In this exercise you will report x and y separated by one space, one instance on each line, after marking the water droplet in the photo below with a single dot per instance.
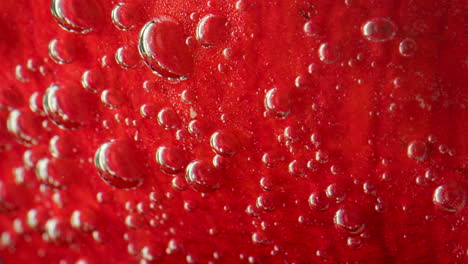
407 47
417 150
22 73
118 164
379 29
124 16
329 53
171 159
78 16
35 103
162 47
271 159
211 29
126 57
68 106
278 102
450 197
61 50
202 176
349 220
259 238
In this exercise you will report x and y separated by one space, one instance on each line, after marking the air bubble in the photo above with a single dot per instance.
211 29
78 16
119 165
349 220
450 197
417 150
379 29
162 47
126 57
224 143
61 51
329 53
68 106
24 126
124 16
202 176
278 102
407 47
171 159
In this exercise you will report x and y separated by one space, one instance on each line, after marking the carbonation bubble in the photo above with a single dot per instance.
417 150
278 102
63 146
126 57
224 143
171 159
162 47
310 29
61 51
78 16
112 99
148 111
25 126
450 197
379 29
68 106
54 172
318 200
202 176
211 29
407 47
35 103
93 80
124 16
22 73
349 220
328 53
168 118
119 164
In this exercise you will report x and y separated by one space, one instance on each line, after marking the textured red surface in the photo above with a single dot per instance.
362 124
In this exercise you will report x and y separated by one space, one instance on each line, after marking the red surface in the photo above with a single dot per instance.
344 133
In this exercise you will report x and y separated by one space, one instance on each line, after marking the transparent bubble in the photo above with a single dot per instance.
211 29
349 220
224 143
329 53
93 80
407 47
61 51
24 126
278 102
310 29
162 47
124 16
126 57
202 176
379 29
450 197
78 16
319 200
68 106
171 159
417 150
119 165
